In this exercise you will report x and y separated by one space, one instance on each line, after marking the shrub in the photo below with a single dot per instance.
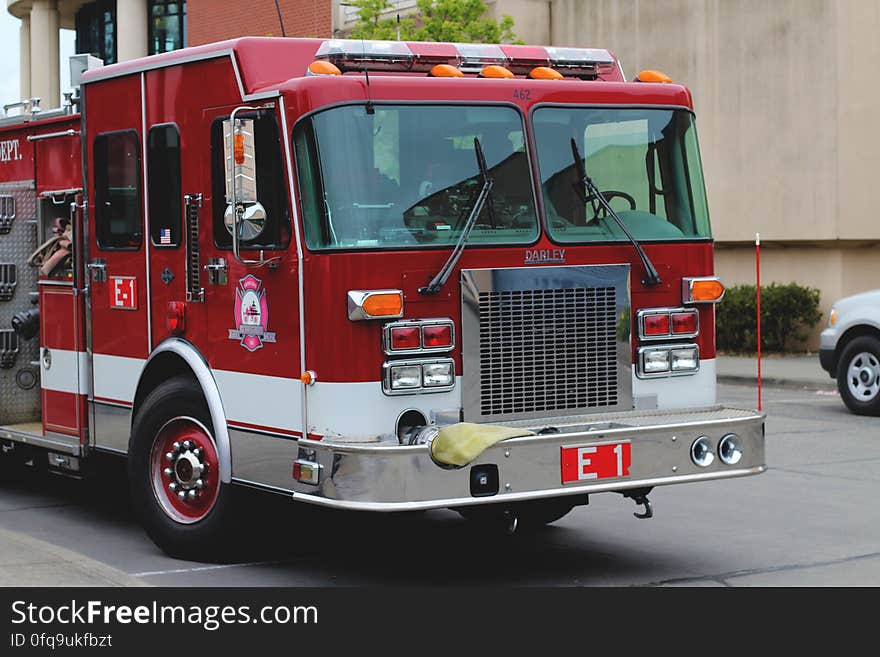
787 312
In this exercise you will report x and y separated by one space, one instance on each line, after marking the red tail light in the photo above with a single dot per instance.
437 336
656 324
175 318
405 338
685 322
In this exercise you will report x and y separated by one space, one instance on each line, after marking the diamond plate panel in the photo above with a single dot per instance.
16 404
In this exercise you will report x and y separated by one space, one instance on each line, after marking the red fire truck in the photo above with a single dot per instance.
367 275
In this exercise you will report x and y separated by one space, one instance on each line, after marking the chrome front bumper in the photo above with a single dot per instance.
405 478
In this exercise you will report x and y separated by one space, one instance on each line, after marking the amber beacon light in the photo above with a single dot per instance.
321 67
652 76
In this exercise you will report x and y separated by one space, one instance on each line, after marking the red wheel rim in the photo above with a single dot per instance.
185 470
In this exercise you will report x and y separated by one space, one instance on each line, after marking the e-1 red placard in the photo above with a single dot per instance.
123 292
607 461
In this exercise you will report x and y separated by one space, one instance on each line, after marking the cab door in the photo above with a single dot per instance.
118 308
247 321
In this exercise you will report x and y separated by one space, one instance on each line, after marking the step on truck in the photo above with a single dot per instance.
365 275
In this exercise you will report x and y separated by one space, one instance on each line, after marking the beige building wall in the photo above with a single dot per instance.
531 18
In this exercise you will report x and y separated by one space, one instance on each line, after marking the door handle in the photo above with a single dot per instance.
98 267
216 269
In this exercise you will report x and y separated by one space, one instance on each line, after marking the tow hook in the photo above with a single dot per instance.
640 497
511 522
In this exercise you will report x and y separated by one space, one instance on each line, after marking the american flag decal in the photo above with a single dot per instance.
164 236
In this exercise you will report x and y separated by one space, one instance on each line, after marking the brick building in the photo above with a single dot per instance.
215 20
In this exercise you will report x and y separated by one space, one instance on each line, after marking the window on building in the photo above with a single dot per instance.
163 175
167 26
118 217
96 30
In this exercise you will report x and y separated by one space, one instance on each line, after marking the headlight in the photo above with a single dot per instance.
655 361
685 360
702 453
406 377
730 449
667 360
438 374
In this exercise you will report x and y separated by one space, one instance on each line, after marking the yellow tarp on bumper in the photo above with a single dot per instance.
459 444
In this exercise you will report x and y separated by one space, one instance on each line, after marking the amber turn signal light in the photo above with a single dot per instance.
374 304
701 290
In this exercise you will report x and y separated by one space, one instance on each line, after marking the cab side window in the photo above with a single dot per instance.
163 173
262 179
118 215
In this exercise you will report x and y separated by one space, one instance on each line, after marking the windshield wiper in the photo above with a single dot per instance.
440 278
652 278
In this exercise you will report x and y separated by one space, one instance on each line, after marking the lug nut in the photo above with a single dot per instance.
168 472
192 495
200 483
197 452
187 445
172 486
181 495
169 456
175 446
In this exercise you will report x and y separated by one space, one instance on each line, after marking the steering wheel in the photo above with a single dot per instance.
599 209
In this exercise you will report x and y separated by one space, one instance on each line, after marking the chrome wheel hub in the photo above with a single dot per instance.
186 470
863 376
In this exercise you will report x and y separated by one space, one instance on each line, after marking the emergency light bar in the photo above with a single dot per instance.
421 57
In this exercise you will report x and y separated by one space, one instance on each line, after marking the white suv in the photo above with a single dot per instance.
849 350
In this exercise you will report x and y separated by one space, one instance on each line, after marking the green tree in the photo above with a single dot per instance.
437 20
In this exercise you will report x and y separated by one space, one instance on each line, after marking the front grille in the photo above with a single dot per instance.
545 341
548 350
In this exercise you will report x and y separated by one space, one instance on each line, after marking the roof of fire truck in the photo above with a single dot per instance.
264 64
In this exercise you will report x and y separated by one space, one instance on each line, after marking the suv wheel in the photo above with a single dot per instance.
858 375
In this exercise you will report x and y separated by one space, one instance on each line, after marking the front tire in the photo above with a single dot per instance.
174 475
858 375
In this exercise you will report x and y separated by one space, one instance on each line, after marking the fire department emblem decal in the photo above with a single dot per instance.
251 314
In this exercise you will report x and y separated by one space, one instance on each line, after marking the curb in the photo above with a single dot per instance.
776 382
28 561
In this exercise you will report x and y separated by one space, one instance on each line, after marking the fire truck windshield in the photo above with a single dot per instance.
407 176
646 163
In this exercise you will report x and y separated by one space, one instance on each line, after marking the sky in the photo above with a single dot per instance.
9 56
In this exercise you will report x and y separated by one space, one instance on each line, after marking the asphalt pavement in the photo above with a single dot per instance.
33 558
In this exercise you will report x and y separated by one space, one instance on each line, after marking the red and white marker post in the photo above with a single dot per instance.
758 298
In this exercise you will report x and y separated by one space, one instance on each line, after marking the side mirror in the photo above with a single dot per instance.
251 220
245 216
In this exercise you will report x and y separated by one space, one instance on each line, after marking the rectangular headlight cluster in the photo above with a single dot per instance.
401 377
668 360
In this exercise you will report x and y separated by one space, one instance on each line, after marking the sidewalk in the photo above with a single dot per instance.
26 561
789 371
